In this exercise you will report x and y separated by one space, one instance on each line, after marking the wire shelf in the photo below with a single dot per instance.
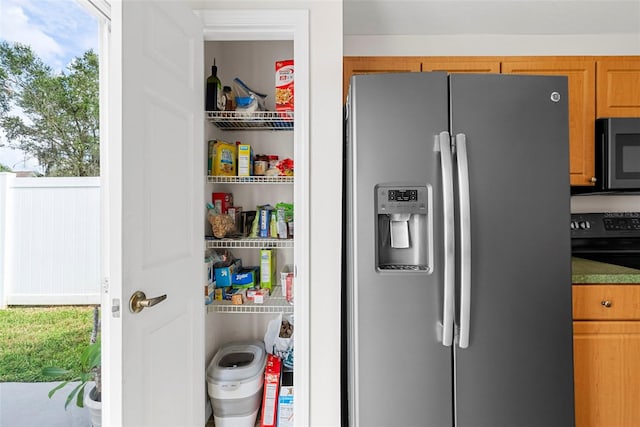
257 120
216 179
257 243
275 303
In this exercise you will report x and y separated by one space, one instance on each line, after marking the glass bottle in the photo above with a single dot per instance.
214 90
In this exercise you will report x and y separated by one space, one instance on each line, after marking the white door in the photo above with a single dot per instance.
154 360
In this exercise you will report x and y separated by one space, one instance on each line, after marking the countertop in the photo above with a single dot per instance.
587 271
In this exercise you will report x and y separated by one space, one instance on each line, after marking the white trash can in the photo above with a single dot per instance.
235 377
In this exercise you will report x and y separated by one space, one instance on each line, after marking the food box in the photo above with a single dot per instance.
284 85
267 268
222 201
285 399
286 282
246 277
224 274
245 160
270 391
224 158
257 295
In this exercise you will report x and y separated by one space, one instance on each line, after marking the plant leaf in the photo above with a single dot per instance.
73 394
53 371
56 388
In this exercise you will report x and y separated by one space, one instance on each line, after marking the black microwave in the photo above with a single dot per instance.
617 156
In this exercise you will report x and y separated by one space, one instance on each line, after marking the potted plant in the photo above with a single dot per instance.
89 370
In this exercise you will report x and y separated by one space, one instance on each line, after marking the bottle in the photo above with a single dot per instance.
214 90
229 102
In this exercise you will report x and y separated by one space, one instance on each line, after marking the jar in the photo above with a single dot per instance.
260 164
273 161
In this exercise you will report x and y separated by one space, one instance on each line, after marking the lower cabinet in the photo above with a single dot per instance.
606 340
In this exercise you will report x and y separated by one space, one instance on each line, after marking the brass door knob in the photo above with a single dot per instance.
139 301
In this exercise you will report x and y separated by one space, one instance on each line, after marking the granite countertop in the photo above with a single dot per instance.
587 271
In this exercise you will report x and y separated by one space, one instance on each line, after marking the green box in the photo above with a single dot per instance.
267 268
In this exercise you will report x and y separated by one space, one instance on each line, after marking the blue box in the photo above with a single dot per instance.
245 277
224 275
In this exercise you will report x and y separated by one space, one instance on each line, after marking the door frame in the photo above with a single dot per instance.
272 24
233 25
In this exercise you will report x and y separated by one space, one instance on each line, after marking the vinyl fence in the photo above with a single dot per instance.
49 240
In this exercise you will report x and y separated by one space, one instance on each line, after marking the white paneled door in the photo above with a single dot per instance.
154 359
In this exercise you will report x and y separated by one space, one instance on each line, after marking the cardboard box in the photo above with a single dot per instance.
284 86
245 160
246 277
222 201
267 268
224 158
224 274
285 399
270 391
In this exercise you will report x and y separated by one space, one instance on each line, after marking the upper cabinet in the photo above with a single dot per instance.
618 87
354 65
599 86
461 64
581 74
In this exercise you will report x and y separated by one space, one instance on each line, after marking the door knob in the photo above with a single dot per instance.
139 301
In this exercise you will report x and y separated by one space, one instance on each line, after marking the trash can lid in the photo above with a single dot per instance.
236 361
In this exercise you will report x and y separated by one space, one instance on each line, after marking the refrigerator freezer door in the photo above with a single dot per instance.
399 373
518 368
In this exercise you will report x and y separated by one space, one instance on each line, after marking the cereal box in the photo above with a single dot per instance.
284 85
224 158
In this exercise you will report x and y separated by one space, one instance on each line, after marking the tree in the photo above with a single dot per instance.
52 116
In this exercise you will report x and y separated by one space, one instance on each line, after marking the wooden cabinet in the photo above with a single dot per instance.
606 336
353 65
581 74
599 86
461 64
618 87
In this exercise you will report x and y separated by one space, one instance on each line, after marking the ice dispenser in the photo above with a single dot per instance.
402 233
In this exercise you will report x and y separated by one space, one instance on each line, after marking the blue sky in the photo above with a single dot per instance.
57 31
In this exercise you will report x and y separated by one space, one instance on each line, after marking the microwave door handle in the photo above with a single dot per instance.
464 204
448 310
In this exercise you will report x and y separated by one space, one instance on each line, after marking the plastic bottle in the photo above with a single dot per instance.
214 90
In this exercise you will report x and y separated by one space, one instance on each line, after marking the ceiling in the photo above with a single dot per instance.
521 17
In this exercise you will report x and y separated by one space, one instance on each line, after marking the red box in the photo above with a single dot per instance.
270 392
284 85
222 201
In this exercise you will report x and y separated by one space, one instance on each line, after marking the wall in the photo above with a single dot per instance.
482 27
50 244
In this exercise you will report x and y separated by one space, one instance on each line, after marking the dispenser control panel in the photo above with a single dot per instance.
400 199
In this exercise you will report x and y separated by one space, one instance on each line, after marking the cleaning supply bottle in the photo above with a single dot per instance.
214 90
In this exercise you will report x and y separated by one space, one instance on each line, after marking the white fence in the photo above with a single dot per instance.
49 240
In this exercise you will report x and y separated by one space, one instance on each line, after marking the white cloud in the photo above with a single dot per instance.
15 26
57 30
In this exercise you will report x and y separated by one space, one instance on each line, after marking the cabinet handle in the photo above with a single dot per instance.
593 179
606 303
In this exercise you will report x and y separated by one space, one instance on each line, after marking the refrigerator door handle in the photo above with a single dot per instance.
464 203
448 307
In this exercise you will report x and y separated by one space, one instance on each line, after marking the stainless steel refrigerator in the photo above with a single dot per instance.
457 264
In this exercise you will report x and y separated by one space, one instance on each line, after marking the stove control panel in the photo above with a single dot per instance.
608 224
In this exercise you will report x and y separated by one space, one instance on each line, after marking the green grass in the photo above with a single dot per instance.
32 338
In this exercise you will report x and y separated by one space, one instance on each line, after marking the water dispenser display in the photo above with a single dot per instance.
402 232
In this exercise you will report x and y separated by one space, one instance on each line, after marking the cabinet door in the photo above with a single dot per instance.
462 64
607 372
618 87
353 65
581 75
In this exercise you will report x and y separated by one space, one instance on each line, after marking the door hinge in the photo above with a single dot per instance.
105 285
115 308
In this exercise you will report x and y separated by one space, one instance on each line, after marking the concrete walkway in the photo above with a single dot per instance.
27 405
